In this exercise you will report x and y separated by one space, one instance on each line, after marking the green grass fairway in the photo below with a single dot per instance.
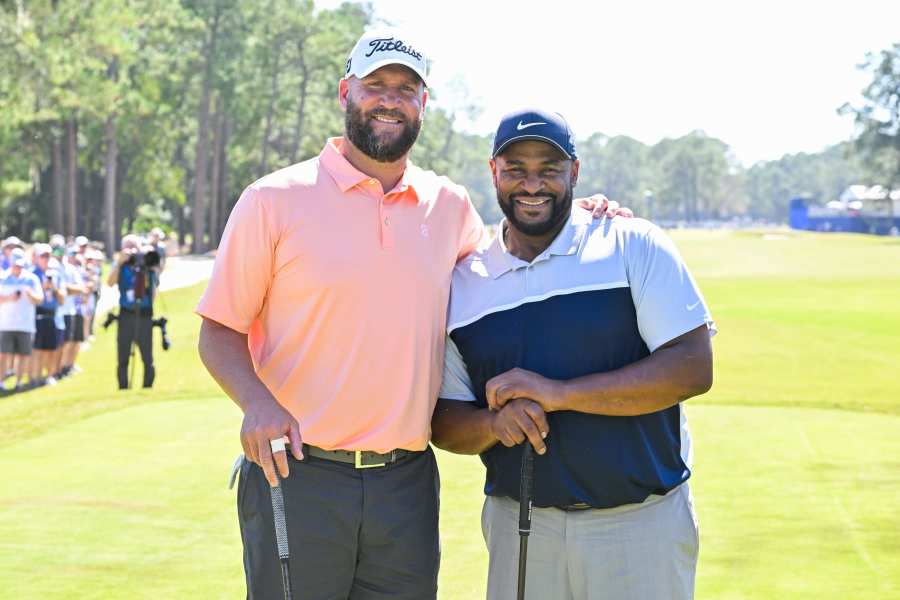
797 448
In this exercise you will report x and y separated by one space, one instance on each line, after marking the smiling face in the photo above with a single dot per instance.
384 111
534 183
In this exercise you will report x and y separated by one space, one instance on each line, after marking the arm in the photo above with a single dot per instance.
34 293
72 288
59 291
113 279
226 356
463 428
676 371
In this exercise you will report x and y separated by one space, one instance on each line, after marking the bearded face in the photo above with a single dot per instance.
383 134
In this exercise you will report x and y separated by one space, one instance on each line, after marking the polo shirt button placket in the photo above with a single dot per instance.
387 233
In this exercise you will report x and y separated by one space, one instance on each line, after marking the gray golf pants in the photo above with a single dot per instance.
642 551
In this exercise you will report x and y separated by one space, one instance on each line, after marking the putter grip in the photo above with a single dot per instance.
526 487
280 524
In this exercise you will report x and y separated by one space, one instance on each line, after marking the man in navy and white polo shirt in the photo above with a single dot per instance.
581 337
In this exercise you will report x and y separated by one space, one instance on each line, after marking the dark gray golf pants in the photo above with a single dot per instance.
354 534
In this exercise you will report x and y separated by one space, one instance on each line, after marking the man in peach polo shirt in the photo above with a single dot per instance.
324 317
324 321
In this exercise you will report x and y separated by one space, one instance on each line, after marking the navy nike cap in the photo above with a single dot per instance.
535 124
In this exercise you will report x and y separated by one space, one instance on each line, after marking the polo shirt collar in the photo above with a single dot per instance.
499 261
347 177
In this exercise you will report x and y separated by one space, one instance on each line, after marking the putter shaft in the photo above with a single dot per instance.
526 488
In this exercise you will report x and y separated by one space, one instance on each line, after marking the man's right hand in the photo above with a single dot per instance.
264 421
125 255
520 419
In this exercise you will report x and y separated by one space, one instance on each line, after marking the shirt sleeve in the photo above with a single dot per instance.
456 384
666 297
243 269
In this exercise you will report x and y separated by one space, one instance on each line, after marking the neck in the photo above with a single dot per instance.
528 247
388 173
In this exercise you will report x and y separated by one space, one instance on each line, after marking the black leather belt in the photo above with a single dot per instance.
361 459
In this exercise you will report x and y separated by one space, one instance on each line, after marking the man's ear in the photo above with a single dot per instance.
343 91
576 165
492 163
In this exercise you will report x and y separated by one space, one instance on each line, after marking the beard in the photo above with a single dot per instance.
562 207
358 128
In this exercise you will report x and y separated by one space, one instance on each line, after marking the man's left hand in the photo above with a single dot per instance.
519 383
600 205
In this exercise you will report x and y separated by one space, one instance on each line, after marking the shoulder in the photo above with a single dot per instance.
285 183
631 235
472 290
473 270
437 186
634 228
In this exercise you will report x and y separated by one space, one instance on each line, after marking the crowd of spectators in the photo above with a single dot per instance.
48 299
49 293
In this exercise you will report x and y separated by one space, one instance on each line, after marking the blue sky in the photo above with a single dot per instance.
766 77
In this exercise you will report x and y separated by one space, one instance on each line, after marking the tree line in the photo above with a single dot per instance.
120 115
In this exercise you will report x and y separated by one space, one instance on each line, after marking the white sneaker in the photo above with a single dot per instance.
51 380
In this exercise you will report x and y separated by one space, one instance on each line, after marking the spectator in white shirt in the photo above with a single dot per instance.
20 291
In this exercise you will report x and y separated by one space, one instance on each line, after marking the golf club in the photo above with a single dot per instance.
526 485
281 538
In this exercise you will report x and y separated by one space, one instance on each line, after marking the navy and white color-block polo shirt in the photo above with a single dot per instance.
604 294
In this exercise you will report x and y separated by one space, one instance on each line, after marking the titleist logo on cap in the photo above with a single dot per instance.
392 45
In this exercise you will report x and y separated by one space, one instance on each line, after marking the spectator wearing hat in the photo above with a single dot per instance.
92 260
46 338
8 245
59 318
20 291
82 243
76 291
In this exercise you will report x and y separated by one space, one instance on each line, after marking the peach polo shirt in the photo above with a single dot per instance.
343 292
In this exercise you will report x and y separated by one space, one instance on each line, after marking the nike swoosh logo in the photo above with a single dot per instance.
692 306
522 125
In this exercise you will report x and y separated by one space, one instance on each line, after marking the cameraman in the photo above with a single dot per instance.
137 289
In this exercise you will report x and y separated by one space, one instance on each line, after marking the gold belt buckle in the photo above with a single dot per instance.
357 461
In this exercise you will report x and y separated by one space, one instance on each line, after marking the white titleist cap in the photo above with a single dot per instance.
380 47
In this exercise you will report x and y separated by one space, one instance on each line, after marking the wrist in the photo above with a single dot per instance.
559 395
490 417
257 399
